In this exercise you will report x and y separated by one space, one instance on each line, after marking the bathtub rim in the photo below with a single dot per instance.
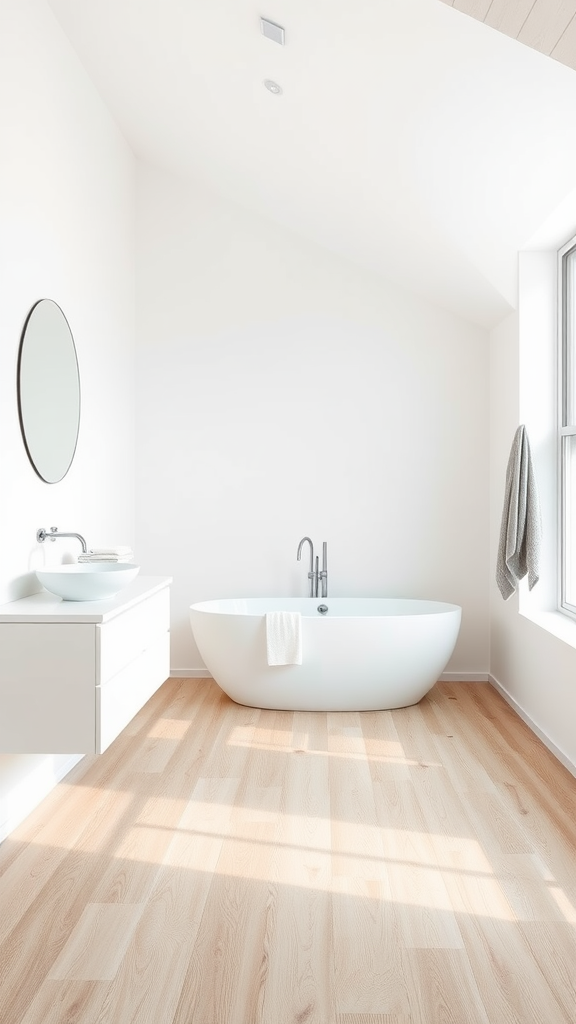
386 607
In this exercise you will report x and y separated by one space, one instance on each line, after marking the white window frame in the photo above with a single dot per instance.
566 429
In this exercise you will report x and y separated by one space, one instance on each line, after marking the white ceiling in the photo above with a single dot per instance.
410 138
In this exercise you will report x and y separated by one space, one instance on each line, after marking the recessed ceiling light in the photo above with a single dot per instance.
272 86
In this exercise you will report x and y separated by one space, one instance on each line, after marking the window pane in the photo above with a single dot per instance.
570 337
569 530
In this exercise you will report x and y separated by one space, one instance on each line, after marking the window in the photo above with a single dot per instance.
567 404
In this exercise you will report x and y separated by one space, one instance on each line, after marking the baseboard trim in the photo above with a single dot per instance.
32 790
464 677
559 754
190 673
446 677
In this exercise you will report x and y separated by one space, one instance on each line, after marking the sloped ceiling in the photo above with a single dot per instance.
410 138
548 26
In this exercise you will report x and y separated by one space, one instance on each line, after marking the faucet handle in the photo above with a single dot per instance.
42 534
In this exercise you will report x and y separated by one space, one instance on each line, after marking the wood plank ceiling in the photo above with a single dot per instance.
546 25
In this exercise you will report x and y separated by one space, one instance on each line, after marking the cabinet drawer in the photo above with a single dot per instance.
46 655
120 698
128 635
48 719
47 688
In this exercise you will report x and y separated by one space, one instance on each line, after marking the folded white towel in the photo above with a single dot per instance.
123 549
284 638
521 528
93 556
102 560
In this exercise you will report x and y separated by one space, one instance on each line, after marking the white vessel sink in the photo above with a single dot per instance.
89 581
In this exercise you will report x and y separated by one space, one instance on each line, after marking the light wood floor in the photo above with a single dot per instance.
224 865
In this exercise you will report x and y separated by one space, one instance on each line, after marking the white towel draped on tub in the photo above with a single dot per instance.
284 638
520 533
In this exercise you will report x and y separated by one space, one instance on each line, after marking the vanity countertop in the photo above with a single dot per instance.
45 607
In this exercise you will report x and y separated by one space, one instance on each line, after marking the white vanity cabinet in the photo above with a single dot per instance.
73 674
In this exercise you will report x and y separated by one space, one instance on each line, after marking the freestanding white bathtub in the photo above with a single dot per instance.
362 654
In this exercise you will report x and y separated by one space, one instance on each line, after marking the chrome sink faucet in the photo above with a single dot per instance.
315 574
42 535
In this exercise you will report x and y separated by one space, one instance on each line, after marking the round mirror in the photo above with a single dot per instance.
48 391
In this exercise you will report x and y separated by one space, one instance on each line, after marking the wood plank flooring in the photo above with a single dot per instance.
226 865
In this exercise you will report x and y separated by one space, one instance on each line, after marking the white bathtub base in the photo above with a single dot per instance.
366 654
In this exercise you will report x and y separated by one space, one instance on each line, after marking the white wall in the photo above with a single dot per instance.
535 669
67 233
282 391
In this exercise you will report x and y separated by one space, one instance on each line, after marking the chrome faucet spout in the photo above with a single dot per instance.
299 554
42 535
312 574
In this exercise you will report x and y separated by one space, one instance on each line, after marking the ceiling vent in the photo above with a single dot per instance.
272 31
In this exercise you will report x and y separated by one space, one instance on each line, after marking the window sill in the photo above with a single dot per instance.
556 623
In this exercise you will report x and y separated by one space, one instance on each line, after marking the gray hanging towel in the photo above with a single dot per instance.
521 530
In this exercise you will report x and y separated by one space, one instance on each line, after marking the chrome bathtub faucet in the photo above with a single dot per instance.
315 574
323 576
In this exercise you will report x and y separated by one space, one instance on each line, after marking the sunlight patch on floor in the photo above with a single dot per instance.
346 755
401 861
96 836
564 905
169 729
437 873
